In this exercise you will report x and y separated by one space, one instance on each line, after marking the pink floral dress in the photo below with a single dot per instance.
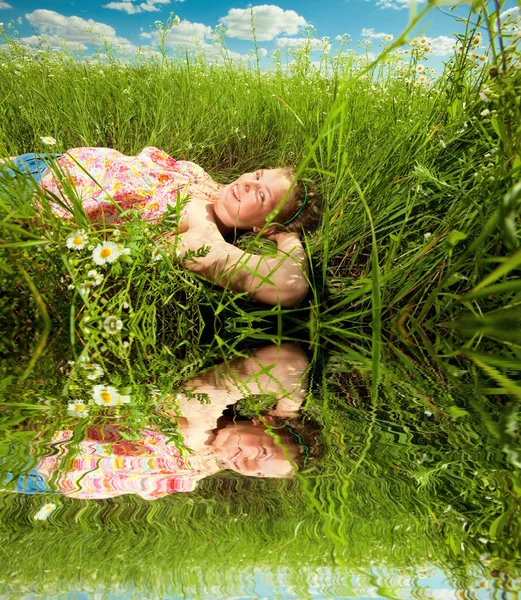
147 182
151 467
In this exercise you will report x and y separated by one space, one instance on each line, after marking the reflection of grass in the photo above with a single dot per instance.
428 488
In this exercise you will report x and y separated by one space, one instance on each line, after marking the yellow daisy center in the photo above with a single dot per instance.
105 397
79 407
105 253
77 241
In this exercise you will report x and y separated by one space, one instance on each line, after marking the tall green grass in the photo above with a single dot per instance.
418 181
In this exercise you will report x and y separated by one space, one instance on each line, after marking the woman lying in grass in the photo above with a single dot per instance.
108 182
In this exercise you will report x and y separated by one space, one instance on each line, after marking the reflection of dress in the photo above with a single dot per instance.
150 467
147 182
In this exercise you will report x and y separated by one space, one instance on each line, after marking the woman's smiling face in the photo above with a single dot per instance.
247 448
245 203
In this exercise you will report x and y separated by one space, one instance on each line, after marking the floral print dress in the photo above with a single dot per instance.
102 177
151 467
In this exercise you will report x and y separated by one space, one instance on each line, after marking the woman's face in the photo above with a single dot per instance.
245 203
245 447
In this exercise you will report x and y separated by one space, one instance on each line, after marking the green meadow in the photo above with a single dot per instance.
412 322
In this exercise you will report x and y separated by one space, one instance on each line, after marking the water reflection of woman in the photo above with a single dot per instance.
106 464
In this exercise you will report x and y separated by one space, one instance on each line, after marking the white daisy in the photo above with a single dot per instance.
48 140
106 395
104 253
112 325
45 511
156 254
78 408
77 240
95 276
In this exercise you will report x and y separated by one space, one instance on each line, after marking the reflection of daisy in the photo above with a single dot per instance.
77 241
105 253
112 325
106 395
78 408
48 140
45 511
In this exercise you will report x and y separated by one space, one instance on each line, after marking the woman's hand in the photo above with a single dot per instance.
274 280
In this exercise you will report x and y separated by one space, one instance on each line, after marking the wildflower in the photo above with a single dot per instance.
156 254
427 235
433 71
423 40
112 325
422 79
86 286
77 241
389 37
443 144
45 511
415 41
484 94
124 251
485 112
78 408
106 395
116 233
105 253
48 140
483 540
420 68
96 277
96 372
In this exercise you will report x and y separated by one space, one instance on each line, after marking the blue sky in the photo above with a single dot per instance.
279 25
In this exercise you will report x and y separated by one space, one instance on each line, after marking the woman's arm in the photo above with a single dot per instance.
273 280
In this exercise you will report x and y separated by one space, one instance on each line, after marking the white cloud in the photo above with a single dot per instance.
371 34
127 7
397 4
74 29
20 20
284 42
53 41
269 20
4 4
510 19
184 34
132 9
263 52
441 45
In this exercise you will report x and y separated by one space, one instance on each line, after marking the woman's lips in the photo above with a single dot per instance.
235 192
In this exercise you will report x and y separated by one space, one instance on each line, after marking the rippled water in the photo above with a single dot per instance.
268 475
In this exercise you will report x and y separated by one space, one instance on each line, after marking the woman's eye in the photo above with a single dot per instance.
257 176
262 196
